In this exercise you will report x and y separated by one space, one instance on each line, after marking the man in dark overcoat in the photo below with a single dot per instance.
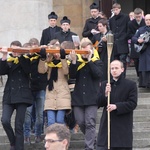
119 25
90 27
123 100
17 94
48 34
65 34
144 56
133 26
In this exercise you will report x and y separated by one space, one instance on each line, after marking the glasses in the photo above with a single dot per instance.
51 141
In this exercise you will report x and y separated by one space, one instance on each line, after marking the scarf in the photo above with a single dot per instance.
85 61
54 73
15 60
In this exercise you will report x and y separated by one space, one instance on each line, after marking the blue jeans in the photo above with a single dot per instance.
39 99
55 116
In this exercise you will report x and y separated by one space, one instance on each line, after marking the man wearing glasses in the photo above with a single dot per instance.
57 137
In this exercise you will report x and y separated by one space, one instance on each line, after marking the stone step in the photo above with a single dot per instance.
143 143
78 144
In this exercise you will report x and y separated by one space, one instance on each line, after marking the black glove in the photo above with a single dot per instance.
43 53
62 54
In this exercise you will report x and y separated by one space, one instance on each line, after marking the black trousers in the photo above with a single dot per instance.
114 148
15 136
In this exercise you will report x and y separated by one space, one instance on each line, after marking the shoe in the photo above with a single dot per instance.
12 148
27 140
38 139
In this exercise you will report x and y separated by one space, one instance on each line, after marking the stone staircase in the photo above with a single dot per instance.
141 128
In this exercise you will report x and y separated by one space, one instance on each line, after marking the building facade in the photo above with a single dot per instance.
25 19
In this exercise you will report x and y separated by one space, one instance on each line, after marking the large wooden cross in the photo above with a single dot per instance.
48 50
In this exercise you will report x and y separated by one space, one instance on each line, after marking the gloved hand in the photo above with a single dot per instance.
43 53
62 54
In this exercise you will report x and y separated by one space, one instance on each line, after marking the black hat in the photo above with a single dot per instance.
52 15
65 20
94 6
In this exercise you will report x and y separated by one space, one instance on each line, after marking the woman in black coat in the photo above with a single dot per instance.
100 42
123 100
17 95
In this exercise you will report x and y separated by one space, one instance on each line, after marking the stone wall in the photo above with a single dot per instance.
23 19
76 10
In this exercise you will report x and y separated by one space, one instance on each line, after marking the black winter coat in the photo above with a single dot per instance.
17 88
119 26
144 57
132 28
87 83
38 80
64 36
90 24
124 95
102 51
48 34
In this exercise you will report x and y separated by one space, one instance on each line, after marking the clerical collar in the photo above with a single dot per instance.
96 17
52 27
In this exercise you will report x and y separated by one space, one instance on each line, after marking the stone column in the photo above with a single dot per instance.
23 19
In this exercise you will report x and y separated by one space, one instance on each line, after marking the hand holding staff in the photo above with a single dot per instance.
109 51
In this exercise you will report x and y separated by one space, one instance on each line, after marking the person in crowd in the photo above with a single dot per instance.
17 94
87 70
57 137
131 15
100 42
102 15
58 99
54 43
38 88
144 55
118 25
69 118
48 34
133 26
65 34
123 101
90 27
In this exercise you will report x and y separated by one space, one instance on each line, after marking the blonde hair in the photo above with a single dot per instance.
85 42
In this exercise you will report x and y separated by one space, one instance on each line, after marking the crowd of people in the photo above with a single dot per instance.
44 88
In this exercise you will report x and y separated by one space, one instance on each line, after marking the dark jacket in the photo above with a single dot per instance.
144 57
17 88
90 24
38 80
64 36
132 28
87 83
102 51
119 26
124 95
48 34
